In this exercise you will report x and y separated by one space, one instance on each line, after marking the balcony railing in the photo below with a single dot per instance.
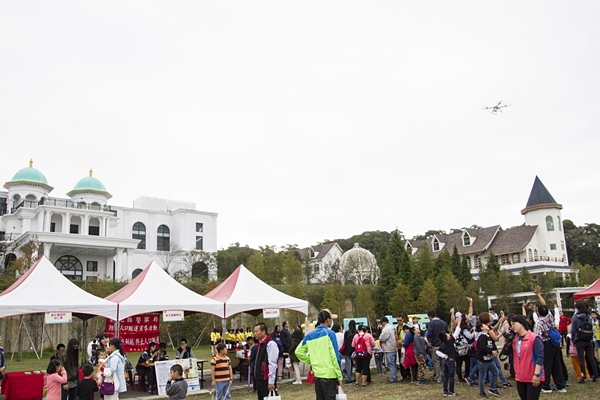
63 203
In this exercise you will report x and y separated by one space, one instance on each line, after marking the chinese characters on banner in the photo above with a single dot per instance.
136 332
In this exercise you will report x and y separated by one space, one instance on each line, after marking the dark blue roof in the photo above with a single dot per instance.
539 194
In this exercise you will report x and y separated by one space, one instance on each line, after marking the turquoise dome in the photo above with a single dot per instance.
29 174
90 183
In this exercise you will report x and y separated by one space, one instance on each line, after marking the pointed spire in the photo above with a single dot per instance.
31 163
540 197
91 172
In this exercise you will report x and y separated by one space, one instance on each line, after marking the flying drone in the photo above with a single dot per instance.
498 107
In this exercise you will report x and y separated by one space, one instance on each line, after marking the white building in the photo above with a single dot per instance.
538 245
87 238
323 261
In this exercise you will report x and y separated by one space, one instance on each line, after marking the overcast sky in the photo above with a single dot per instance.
299 121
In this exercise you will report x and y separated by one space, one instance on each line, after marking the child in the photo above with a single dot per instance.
486 351
221 373
88 386
420 348
176 386
447 353
55 378
162 352
572 352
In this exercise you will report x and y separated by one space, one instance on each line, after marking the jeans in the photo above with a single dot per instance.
449 368
325 389
484 367
348 368
223 390
474 368
379 362
499 368
390 360
587 349
437 364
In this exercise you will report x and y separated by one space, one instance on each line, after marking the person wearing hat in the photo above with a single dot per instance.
528 354
319 349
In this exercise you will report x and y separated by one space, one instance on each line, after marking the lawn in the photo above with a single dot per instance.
378 390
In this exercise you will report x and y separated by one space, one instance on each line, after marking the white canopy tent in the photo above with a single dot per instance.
242 291
44 289
153 290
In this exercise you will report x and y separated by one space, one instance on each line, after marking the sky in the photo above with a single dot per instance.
299 122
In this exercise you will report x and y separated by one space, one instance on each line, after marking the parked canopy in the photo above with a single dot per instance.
44 289
592 291
242 291
153 290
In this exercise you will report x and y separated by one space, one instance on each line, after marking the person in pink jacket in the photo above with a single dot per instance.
56 376
363 344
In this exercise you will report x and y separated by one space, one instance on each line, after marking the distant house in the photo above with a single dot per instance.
538 246
322 260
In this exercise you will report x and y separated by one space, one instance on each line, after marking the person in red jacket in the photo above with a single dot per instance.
528 355
563 324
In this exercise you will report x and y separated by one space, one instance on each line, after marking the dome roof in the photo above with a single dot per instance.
89 184
359 265
29 175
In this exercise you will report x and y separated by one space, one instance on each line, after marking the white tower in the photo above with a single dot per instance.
542 210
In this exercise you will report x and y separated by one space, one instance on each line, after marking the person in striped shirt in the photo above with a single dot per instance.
221 373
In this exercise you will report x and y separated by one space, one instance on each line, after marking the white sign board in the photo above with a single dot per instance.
190 374
172 315
271 313
58 318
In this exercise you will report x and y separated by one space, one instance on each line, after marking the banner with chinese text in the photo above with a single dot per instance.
136 332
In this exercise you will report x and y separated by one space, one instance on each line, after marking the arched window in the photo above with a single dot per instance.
549 223
135 273
70 266
529 255
466 239
163 238
436 244
139 232
559 223
200 270
535 255
9 258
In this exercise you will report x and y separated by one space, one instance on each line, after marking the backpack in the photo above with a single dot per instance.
462 346
555 336
360 351
585 331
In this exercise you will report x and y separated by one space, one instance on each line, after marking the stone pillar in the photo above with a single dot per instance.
47 219
103 226
119 264
85 223
129 253
66 222
107 231
40 221
47 247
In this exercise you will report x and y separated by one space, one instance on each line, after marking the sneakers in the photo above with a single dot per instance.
445 394
506 385
494 392
563 390
567 383
546 391
471 382
297 382
483 395
452 394
581 380
391 381
421 383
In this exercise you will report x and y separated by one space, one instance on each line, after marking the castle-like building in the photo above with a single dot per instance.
537 246
87 238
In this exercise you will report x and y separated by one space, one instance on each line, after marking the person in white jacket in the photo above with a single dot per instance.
114 368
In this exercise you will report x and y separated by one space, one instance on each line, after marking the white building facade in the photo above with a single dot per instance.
87 238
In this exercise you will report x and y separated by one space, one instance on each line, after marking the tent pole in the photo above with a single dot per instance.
83 342
117 322
42 341
18 341
31 340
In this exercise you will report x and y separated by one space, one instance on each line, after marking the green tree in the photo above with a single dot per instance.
428 297
273 265
546 282
292 268
583 243
256 265
442 261
365 307
335 300
505 288
451 294
455 262
389 273
525 282
401 300
464 275
489 274
231 258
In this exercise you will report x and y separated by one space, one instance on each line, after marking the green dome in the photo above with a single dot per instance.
29 174
90 183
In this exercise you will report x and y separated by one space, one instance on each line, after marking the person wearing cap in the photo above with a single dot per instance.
319 349
528 353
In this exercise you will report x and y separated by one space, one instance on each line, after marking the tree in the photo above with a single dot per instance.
427 298
525 282
504 290
273 265
451 294
429 234
464 275
256 265
335 300
168 257
16 268
401 300
583 243
365 307
199 263
389 270
231 258
455 262
489 274
442 261
292 268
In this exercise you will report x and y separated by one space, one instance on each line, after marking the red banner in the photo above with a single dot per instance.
136 332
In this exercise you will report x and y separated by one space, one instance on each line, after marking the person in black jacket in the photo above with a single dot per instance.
447 353
486 351
347 350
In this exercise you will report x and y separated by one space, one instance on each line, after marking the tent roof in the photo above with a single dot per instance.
242 291
154 290
44 289
591 291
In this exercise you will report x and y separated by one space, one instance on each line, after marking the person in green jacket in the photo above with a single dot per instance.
319 349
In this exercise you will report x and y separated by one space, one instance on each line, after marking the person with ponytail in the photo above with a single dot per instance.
114 368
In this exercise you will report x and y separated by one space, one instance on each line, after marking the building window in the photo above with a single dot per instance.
52 226
535 255
559 223
477 262
466 239
70 267
139 232
74 228
436 244
92 266
199 227
94 231
516 258
549 223
199 243
562 245
468 261
529 255
552 246
135 273
316 269
505 259
534 278
312 253
163 238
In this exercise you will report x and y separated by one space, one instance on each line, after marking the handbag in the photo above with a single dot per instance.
310 378
273 395
340 394
107 388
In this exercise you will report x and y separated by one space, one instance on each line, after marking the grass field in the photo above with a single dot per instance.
378 390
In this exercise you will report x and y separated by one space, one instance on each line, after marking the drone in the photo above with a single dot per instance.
498 107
